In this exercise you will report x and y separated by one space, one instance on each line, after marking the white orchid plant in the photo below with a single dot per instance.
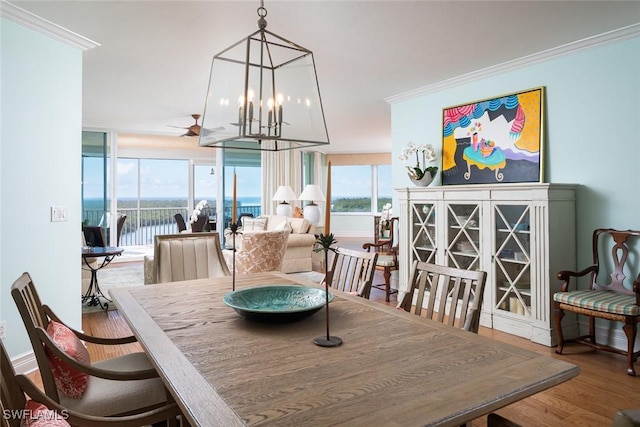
197 211
385 217
424 152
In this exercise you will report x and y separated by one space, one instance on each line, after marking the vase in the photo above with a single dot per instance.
424 181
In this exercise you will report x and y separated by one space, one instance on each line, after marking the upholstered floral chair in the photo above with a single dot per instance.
258 251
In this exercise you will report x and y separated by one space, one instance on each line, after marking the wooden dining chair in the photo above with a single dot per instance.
387 257
352 271
123 385
610 294
446 294
19 393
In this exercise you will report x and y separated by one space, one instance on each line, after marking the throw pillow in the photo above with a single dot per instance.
253 224
299 225
277 222
38 415
69 381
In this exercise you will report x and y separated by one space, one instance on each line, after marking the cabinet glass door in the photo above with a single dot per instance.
423 232
463 236
512 260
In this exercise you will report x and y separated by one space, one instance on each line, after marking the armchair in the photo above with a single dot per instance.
607 296
184 256
15 389
387 260
258 251
123 385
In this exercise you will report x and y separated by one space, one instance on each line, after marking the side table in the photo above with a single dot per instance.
93 294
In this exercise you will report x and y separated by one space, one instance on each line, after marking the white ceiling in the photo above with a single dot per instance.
152 67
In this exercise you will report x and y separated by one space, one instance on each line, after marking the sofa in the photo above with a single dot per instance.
300 243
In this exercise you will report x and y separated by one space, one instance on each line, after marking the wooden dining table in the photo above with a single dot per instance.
393 368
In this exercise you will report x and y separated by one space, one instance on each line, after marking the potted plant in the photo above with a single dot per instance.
385 221
420 174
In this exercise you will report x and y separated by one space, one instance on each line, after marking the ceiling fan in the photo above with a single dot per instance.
193 130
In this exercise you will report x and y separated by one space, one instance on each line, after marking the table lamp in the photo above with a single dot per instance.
312 193
283 195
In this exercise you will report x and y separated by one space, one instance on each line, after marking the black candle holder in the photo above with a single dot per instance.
324 244
234 231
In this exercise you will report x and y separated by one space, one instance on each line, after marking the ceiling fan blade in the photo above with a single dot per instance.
193 130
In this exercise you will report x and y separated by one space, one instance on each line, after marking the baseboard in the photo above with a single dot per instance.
611 335
25 363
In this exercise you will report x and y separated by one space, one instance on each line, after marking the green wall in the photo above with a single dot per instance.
41 115
592 119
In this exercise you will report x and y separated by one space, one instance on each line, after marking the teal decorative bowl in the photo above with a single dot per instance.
277 303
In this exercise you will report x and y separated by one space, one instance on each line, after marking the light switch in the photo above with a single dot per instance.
59 213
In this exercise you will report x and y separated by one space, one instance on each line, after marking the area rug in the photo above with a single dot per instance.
120 275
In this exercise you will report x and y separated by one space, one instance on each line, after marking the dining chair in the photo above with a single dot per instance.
123 385
185 256
182 226
387 256
352 271
19 393
446 294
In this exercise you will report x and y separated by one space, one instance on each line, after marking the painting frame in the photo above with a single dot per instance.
495 140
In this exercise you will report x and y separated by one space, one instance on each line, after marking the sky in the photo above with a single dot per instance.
169 179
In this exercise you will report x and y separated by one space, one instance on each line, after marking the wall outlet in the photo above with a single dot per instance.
3 329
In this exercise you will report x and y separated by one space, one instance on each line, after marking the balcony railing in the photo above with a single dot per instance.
143 224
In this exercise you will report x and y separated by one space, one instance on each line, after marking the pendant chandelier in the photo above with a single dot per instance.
263 95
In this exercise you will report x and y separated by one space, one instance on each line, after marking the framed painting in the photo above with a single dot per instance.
493 141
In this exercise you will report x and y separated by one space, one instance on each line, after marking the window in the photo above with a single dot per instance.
204 184
385 190
150 192
247 166
94 177
352 188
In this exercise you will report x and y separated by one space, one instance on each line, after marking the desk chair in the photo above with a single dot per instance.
123 385
452 295
352 271
14 387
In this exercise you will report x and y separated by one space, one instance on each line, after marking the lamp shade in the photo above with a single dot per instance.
284 194
312 193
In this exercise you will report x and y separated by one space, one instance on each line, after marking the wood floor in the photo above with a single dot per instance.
590 399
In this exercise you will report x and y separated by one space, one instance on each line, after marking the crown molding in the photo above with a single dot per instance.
41 25
620 34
